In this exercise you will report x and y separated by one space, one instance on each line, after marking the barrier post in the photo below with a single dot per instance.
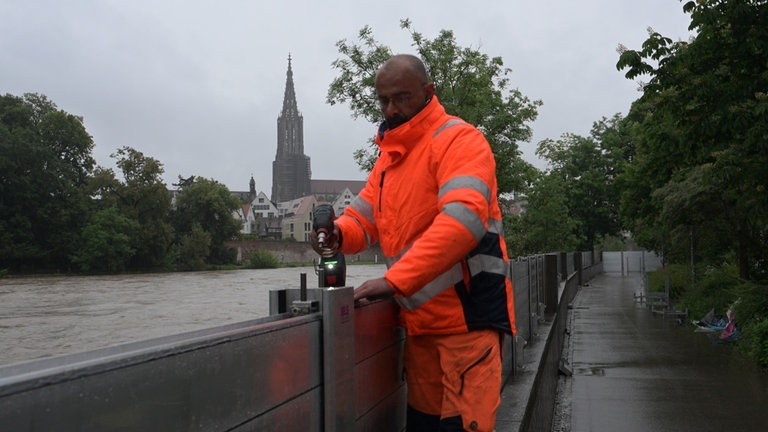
338 359
551 282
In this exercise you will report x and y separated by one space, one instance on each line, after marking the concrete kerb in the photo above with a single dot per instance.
518 392
528 398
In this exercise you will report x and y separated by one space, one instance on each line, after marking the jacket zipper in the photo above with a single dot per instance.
381 187
477 362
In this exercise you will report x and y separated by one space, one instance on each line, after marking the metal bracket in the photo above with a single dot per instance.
304 307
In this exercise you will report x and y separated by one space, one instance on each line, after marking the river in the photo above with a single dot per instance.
47 316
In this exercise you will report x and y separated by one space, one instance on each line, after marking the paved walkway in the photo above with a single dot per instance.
636 371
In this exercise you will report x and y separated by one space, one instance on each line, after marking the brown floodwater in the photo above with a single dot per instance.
47 316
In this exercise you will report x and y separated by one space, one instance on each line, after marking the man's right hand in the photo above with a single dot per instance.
330 246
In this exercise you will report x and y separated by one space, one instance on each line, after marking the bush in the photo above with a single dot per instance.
261 259
193 249
752 319
719 287
755 341
716 287
679 280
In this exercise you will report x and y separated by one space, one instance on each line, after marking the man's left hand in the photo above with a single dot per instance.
374 289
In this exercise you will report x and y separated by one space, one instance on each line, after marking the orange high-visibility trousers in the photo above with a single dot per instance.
454 379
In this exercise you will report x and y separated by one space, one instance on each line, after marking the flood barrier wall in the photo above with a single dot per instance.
319 363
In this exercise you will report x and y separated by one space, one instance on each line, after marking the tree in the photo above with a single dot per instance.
545 226
144 198
469 84
704 110
687 202
45 161
207 204
194 248
108 242
584 172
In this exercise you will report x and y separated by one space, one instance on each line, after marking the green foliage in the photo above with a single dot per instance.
753 301
208 204
754 339
719 287
714 288
469 84
700 129
194 248
679 277
107 244
586 168
144 197
45 160
261 259
59 213
514 236
752 318
613 243
545 225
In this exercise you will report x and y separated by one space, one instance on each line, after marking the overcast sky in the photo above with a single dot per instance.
198 85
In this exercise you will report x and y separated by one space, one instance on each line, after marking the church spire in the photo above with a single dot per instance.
290 108
291 171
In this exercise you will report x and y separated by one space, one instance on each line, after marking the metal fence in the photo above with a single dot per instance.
626 262
338 367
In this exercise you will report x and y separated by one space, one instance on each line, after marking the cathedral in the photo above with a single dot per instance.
291 170
288 212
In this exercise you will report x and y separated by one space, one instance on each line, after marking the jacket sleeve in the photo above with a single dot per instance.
357 225
465 170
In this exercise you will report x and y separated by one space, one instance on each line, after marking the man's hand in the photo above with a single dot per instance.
374 289
331 246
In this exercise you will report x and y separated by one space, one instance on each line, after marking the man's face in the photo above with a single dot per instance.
401 96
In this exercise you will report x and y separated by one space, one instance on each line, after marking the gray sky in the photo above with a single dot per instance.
198 85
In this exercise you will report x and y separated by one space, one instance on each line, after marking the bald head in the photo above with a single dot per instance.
405 64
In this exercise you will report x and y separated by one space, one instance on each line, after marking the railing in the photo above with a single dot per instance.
338 368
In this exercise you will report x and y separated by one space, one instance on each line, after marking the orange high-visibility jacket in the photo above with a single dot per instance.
430 201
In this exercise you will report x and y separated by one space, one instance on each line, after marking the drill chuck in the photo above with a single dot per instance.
322 223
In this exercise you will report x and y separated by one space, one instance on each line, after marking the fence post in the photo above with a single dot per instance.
563 266
339 407
551 282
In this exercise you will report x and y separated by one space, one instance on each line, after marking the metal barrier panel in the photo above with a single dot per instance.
552 282
521 284
541 283
247 376
630 262
380 394
533 296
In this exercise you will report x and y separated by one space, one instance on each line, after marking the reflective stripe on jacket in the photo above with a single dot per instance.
431 203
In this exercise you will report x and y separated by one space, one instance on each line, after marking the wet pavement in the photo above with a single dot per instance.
634 370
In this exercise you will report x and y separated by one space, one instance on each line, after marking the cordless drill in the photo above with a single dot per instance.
331 271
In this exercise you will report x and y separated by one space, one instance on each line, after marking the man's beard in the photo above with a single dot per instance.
396 120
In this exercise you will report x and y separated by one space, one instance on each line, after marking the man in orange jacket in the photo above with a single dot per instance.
431 203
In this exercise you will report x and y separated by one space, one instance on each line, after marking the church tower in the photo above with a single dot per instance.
291 171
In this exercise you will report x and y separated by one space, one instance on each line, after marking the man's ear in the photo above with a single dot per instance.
429 89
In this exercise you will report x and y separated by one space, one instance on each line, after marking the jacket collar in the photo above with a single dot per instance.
403 138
